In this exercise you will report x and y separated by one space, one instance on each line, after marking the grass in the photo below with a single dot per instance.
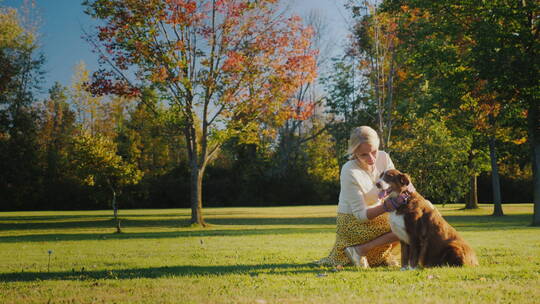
248 255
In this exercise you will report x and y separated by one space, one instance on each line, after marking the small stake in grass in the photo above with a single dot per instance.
118 229
49 265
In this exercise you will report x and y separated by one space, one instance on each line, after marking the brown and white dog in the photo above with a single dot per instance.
426 238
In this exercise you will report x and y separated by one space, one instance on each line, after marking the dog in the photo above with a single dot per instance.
427 240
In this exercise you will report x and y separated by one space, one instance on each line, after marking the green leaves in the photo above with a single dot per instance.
96 163
436 159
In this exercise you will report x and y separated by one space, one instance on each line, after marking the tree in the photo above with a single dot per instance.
145 138
306 105
96 114
434 158
322 165
20 77
56 128
375 44
96 164
347 101
442 46
225 66
21 63
507 56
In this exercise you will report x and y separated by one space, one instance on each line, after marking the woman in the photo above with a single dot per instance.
363 231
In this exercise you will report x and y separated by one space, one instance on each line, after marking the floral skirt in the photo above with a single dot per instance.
352 232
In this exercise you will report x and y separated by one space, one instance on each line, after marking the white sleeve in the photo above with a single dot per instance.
353 195
389 163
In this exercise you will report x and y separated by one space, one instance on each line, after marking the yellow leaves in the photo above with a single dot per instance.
12 33
401 74
461 69
234 62
89 180
425 86
96 161
160 75
323 164
468 103
179 45
464 107
268 133
186 82
520 141
263 56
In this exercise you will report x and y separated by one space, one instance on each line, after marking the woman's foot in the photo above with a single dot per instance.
357 256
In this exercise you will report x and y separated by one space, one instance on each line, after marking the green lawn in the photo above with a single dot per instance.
248 255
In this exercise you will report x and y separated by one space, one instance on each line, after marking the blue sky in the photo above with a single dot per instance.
62 22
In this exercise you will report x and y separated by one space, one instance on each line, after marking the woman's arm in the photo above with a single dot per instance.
352 194
373 212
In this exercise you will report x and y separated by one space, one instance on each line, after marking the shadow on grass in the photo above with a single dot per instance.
66 217
157 235
461 222
159 272
488 222
179 222
470 221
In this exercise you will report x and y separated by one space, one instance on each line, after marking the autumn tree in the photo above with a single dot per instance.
439 55
226 66
322 164
95 161
95 114
145 138
374 43
444 42
507 58
56 128
306 105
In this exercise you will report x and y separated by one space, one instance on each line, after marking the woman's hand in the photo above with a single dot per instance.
387 205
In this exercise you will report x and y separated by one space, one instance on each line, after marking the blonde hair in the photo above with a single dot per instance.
360 135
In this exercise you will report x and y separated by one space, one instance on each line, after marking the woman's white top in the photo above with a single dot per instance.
358 191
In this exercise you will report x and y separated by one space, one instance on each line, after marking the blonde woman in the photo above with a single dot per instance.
363 232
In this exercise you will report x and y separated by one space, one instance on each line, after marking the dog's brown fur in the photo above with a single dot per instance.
432 241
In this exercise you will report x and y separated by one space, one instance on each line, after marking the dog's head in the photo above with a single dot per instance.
392 183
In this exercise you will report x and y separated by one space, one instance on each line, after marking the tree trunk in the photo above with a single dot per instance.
196 196
115 208
114 205
495 181
113 200
534 139
472 203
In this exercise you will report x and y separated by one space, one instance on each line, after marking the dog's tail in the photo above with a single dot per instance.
458 253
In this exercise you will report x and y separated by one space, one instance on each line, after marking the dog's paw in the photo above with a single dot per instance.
363 262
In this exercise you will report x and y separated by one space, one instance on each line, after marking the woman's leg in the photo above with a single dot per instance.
387 238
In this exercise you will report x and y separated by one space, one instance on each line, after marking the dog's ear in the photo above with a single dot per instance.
404 179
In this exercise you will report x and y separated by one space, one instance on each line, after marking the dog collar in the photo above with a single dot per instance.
403 198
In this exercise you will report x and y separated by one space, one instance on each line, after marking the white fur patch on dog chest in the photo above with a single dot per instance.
397 223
